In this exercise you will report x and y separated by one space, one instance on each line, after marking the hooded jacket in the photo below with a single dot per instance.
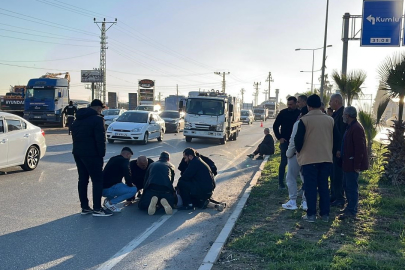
199 173
183 165
88 134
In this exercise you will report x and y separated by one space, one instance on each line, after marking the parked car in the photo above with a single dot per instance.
21 143
111 115
174 120
246 116
135 126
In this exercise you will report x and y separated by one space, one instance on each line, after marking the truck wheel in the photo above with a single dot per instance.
31 159
145 138
62 122
188 139
222 140
110 141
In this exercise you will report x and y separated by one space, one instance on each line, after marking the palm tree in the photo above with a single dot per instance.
392 75
350 84
369 125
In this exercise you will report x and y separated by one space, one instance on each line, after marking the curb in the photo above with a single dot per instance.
216 248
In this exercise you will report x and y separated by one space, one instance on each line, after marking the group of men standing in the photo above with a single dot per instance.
154 179
317 146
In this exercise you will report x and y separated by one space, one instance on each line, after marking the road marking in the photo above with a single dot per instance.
72 169
60 144
51 264
134 243
149 149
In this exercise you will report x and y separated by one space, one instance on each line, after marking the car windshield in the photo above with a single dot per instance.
111 112
42 94
259 111
145 108
133 117
245 113
205 107
170 115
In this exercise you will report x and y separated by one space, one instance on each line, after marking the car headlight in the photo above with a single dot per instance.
220 127
136 130
110 128
187 125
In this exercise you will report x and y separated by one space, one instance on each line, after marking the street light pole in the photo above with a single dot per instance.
312 80
324 51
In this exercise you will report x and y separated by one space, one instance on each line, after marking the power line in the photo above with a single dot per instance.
47 42
11 65
68 38
50 60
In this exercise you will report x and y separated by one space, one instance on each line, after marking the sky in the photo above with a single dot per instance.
182 43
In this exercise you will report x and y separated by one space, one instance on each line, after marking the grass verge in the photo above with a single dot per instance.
269 237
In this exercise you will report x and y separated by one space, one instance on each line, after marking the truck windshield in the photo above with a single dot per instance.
259 111
42 94
133 117
245 113
205 107
111 112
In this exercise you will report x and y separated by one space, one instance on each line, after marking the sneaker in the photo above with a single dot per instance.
290 205
166 205
220 207
304 206
309 218
325 218
300 192
102 213
112 207
86 211
260 158
152 206
251 155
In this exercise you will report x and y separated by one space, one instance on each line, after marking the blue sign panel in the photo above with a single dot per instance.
381 25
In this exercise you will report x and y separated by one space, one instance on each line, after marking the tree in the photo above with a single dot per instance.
392 76
369 125
350 84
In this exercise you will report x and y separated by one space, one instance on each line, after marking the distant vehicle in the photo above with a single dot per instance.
270 105
172 102
247 106
135 126
111 115
260 113
174 120
246 116
13 102
149 108
21 143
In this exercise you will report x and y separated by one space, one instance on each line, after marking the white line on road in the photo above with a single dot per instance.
72 169
149 149
134 244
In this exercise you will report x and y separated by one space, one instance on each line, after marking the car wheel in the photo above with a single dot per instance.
110 141
31 159
145 138
188 139
160 138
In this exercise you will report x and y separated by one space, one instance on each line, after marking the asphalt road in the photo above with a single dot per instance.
41 228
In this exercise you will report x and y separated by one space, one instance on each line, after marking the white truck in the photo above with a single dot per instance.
212 115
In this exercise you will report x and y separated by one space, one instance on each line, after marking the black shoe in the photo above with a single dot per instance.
251 155
281 188
325 218
260 158
86 211
347 215
205 204
102 213
337 204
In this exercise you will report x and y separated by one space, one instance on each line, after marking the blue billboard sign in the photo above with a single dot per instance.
381 24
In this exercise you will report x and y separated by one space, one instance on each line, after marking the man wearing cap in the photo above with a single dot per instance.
113 189
89 146
158 189
314 143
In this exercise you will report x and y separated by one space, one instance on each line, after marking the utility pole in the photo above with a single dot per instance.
324 50
177 95
256 94
242 92
103 54
223 79
269 79
160 96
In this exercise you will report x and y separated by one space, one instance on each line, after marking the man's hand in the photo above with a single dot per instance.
282 140
338 154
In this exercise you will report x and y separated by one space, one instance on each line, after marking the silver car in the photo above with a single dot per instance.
246 116
111 115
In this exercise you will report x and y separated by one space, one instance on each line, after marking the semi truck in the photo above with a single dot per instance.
13 102
213 115
45 99
270 105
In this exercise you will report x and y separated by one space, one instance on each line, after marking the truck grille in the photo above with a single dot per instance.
202 127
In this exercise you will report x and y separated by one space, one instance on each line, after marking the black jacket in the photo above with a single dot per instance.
137 174
183 165
160 175
116 168
286 120
70 110
88 134
269 142
339 129
199 173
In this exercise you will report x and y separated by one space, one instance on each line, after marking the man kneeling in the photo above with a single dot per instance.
113 189
158 189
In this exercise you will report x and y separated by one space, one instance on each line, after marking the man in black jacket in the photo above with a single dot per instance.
70 112
158 189
197 183
113 189
285 119
138 168
336 178
183 164
89 146
266 147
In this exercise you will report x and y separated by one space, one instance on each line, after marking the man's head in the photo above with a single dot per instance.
126 152
142 162
189 154
302 101
164 156
313 102
266 131
71 103
336 101
349 114
291 103
97 105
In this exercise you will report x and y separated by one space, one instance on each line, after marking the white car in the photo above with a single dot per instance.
111 115
21 143
136 126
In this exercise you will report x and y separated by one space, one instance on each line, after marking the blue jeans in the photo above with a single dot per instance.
351 180
283 163
119 192
316 181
